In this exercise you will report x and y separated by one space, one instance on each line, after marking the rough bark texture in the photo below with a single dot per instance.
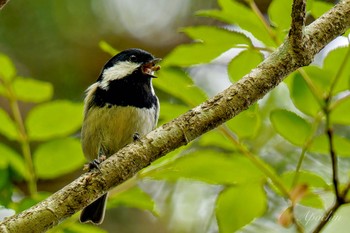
210 114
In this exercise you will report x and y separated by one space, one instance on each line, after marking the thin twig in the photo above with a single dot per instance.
296 34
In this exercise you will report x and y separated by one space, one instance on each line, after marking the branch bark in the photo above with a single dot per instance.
3 3
210 114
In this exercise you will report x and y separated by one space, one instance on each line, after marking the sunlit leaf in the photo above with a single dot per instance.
209 43
169 111
341 113
246 124
216 139
302 96
304 177
318 8
238 205
320 144
279 8
58 157
234 12
211 167
32 90
7 126
337 63
312 200
243 63
177 83
7 68
290 126
133 197
54 119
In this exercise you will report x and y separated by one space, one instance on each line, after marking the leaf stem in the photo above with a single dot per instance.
23 140
258 163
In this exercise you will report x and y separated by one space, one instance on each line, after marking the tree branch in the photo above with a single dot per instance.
210 114
3 3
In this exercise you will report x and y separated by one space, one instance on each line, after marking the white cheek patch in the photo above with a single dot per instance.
118 71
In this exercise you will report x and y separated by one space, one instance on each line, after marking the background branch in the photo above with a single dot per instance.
210 114
3 3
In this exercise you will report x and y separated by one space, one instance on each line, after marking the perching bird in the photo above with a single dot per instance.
119 107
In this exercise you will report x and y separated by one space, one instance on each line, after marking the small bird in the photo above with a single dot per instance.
120 107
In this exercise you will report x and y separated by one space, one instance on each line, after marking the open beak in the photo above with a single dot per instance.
150 67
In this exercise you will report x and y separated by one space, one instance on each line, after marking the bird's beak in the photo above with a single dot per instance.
150 67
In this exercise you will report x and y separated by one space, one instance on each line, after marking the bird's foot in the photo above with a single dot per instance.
136 136
94 163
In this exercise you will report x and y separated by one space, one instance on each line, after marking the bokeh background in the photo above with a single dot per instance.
59 41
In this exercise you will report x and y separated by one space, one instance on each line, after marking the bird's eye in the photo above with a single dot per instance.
132 58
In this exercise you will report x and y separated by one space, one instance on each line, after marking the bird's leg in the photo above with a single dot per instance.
136 136
95 163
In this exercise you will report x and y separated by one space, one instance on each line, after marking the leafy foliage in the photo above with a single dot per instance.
242 157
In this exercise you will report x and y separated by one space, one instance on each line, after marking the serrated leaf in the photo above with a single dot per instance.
290 126
237 206
302 97
7 68
54 119
211 167
7 126
32 90
133 197
320 144
58 157
337 64
177 83
12 159
243 63
246 124
210 43
234 12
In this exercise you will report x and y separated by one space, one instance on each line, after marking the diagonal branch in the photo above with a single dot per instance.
3 3
210 114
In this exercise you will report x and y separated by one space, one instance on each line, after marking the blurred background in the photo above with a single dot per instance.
59 41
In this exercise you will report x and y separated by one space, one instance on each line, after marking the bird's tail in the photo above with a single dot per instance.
94 212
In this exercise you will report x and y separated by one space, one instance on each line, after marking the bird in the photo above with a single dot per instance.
120 107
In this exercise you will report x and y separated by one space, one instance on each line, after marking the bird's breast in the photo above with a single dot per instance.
112 127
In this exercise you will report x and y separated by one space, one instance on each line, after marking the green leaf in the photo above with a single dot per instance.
210 43
211 167
318 8
15 161
32 90
243 63
321 78
280 13
7 68
320 144
7 126
234 12
177 83
304 177
54 119
133 197
290 126
58 157
237 206
337 64
312 200
340 114
302 97
247 123
169 111
83 228
216 139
